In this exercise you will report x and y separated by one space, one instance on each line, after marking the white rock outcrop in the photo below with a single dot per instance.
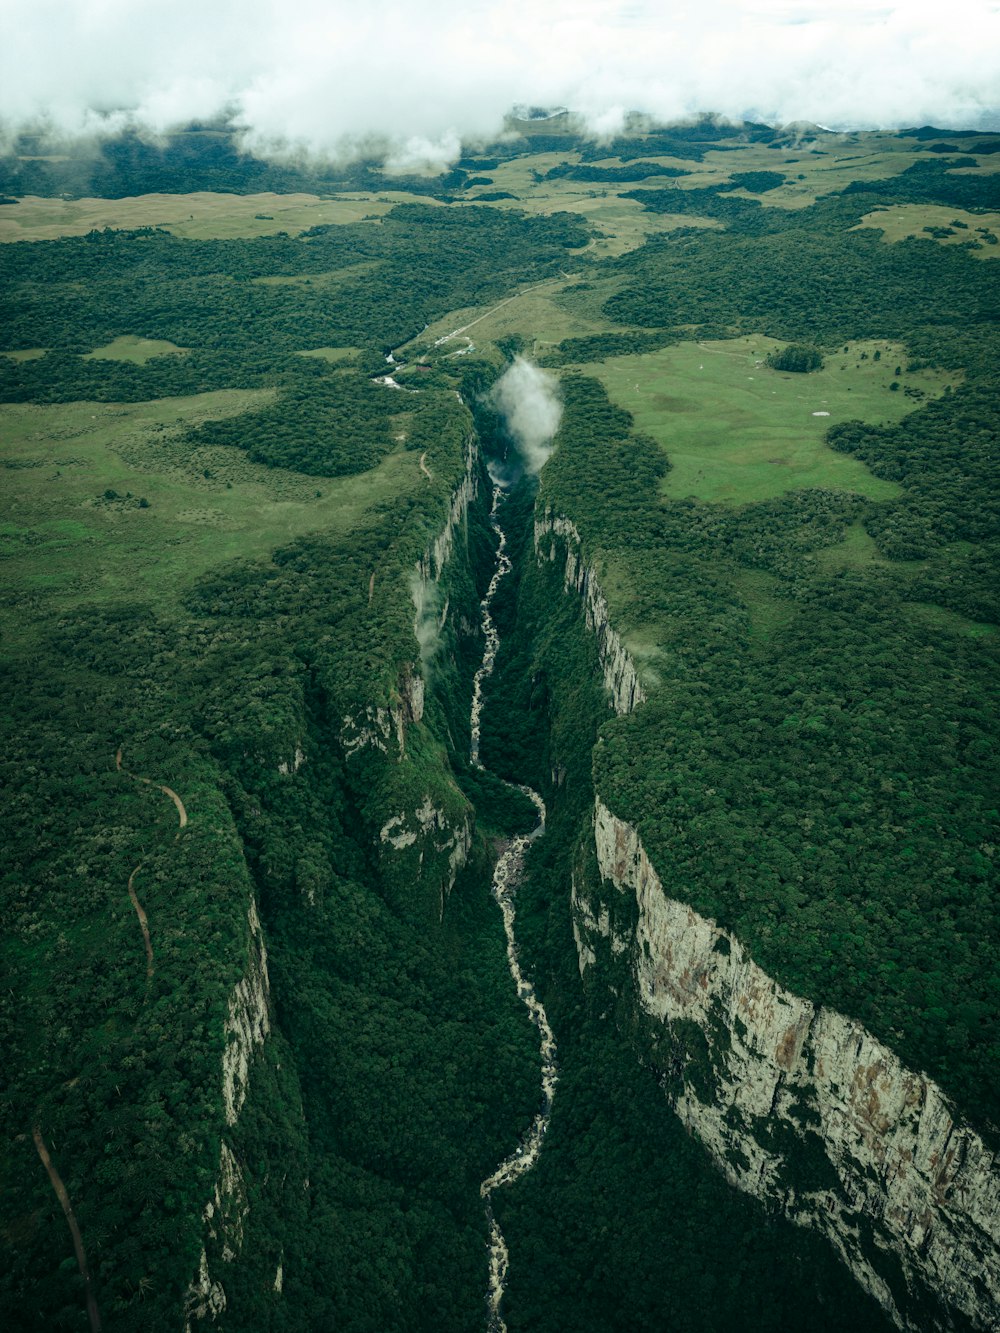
224 1218
432 562
248 1021
247 1025
205 1299
620 676
290 766
436 833
900 1184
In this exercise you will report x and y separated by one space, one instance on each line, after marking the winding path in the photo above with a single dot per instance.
167 791
506 878
182 820
143 923
67 1207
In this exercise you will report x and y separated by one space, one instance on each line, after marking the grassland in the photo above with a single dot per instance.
200 216
817 164
535 314
624 222
736 431
76 476
137 351
905 220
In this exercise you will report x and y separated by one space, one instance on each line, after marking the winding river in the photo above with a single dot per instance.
506 878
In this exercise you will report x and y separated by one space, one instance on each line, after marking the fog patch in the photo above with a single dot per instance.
420 156
527 399
325 76
431 607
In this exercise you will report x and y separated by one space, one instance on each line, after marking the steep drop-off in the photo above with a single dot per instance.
797 1104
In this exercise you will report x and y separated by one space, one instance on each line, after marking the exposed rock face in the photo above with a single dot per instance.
436 834
247 1026
802 1107
434 559
289 766
205 1298
224 1218
620 676
248 1021
378 725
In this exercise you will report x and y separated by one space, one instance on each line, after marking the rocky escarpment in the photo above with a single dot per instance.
421 823
382 726
432 563
429 832
379 725
801 1106
620 676
247 1026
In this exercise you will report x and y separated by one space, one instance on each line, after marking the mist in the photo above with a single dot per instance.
332 80
527 399
431 609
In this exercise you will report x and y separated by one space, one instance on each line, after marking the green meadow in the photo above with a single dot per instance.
942 224
203 215
109 501
137 351
736 431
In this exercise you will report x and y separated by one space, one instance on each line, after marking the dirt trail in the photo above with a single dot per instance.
67 1207
182 820
143 923
371 588
423 466
167 791
447 337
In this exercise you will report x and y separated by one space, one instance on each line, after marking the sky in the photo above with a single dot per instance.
333 78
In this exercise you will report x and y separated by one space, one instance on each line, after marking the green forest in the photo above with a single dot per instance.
240 624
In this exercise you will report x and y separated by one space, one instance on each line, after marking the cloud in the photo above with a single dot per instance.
331 78
528 400
431 609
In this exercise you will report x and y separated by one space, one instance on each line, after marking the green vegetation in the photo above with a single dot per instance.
213 526
734 430
757 182
75 477
797 357
587 1228
787 808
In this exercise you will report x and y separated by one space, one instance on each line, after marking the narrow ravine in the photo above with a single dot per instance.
506 878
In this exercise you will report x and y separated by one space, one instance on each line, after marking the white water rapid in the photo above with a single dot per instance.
506 878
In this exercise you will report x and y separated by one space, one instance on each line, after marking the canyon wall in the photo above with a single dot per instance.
247 1026
799 1105
802 1107
618 669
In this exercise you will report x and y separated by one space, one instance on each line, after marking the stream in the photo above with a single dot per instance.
506 878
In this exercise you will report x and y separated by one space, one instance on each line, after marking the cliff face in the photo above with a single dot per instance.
620 676
248 1024
800 1105
428 834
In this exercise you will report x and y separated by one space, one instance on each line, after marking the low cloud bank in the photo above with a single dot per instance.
329 79
528 400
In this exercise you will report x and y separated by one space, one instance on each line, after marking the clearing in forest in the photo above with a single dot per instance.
736 431
105 500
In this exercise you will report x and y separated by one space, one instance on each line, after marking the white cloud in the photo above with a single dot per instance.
528 400
326 76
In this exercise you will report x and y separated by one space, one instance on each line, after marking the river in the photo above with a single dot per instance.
506 877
